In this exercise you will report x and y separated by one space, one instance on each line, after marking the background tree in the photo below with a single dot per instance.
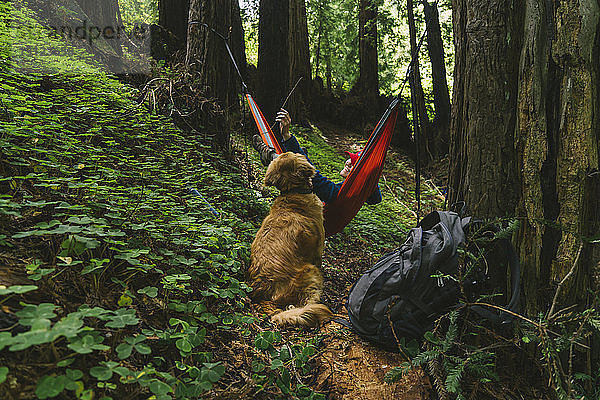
207 61
416 88
440 136
299 61
104 14
283 57
273 55
367 85
525 134
173 23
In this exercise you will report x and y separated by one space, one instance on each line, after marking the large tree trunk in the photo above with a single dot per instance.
283 57
441 97
525 134
367 85
207 61
237 42
558 133
105 15
483 120
299 62
173 22
273 71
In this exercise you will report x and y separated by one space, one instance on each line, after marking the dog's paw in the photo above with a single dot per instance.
278 319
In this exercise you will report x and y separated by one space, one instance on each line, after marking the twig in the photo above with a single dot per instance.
514 314
560 285
396 198
291 91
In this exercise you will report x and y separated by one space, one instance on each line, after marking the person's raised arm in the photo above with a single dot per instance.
284 119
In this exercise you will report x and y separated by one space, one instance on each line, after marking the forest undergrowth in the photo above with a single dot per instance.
124 242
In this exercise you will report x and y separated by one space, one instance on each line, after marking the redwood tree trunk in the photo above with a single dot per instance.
207 61
283 57
273 71
525 134
104 14
299 62
367 85
558 136
441 98
483 121
417 88
173 21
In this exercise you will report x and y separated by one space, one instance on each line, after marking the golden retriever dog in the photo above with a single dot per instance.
286 253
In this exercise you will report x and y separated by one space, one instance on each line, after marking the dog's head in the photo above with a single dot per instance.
289 171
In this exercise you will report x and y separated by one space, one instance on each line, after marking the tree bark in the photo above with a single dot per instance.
173 22
207 61
273 71
441 97
104 14
299 62
367 85
525 134
558 136
283 58
484 100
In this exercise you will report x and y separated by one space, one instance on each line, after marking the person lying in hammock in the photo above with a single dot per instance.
325 189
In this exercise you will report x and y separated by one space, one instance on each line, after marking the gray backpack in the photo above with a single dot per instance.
409 288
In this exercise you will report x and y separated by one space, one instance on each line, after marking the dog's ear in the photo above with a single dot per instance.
277 171
272 178
305 170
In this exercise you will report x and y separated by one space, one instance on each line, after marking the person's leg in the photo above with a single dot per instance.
267 154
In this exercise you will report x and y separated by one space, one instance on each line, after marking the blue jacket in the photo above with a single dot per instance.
325 189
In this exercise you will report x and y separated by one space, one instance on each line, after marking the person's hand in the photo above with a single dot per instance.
347 168
284 119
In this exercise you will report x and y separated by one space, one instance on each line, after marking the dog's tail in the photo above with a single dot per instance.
311 315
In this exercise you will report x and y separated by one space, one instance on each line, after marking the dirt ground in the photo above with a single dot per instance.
352 369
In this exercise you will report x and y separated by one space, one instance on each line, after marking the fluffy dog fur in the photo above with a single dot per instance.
286 253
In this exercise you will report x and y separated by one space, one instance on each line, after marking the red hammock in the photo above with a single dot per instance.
363 178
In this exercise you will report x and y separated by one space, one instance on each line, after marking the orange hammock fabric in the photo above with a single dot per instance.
266 133
363 178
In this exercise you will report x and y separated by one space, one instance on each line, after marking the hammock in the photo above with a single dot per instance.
363 178
266 133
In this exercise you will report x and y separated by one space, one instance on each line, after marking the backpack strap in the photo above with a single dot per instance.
501 317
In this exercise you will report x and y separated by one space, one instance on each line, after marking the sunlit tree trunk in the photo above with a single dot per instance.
525 134
105 14
417 88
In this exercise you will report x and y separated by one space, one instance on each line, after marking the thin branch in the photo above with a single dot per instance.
396 198
287 98
560 285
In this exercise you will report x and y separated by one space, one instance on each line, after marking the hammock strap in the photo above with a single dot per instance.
226 42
